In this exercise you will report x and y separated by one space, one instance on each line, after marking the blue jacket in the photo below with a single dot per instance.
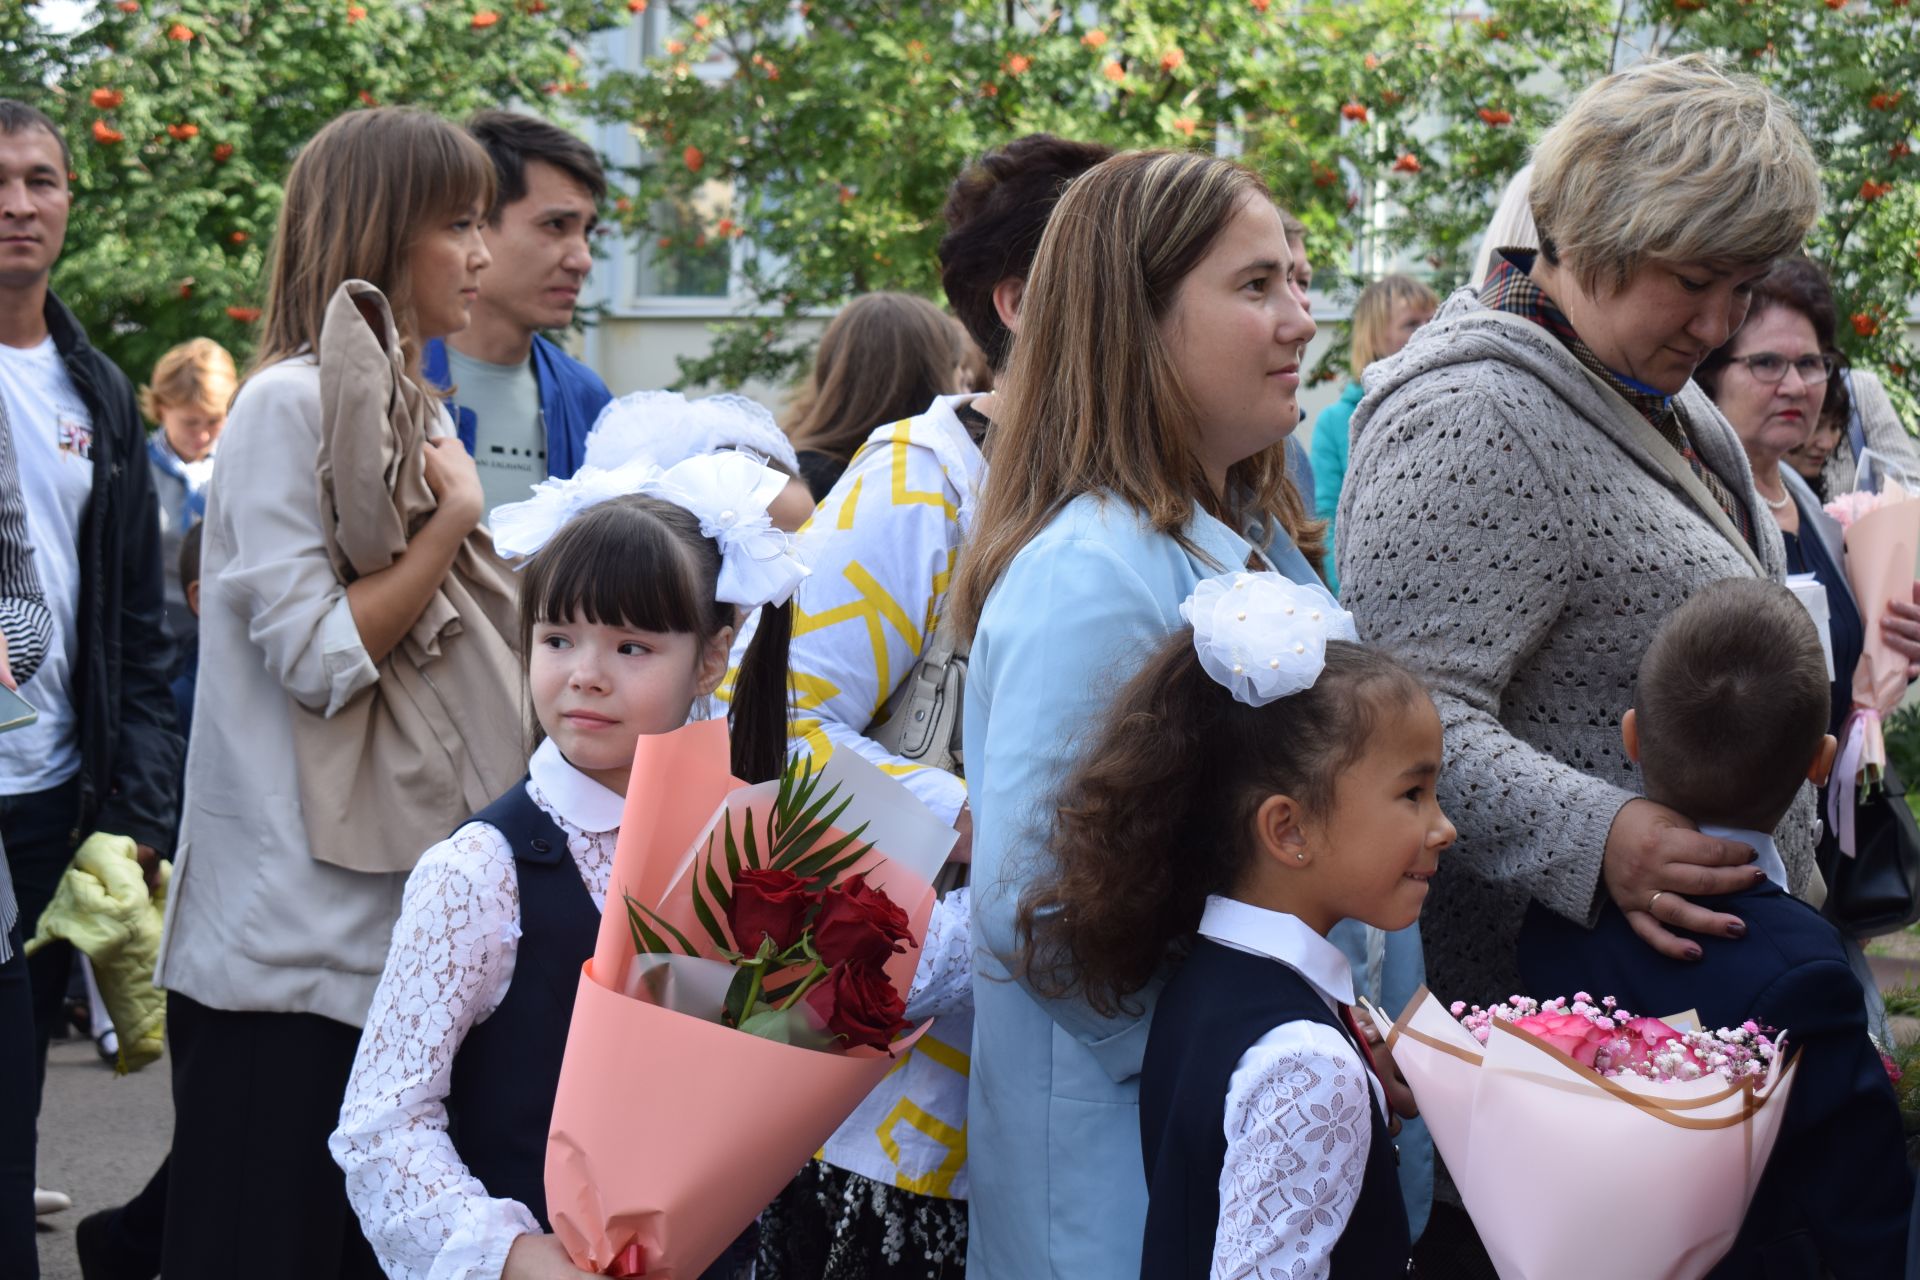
1053 1123
1837 1190
1328 453
571 397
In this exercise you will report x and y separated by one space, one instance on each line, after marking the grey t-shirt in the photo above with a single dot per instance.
510 436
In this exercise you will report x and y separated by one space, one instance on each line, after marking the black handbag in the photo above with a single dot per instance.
1878 889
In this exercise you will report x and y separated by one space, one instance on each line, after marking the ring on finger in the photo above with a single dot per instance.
1654 900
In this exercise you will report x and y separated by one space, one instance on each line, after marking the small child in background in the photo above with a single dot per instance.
1729 718
187 398
1261 779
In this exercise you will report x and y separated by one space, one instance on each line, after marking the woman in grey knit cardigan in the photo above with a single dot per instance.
1535 483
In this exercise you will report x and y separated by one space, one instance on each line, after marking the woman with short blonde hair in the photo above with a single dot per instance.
1138 449
1536 482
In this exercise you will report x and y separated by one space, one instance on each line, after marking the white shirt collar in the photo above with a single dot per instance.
1768 854
582 803
1282 937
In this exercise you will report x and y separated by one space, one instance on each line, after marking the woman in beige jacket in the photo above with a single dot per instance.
271 954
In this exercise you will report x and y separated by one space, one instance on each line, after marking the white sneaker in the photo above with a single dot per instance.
46 1202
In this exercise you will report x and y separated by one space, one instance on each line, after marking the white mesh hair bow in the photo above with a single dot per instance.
727 492
1263 636
663 427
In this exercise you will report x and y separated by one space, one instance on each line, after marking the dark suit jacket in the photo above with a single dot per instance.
1837 1190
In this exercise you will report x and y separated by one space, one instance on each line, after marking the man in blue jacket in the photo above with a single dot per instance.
522 405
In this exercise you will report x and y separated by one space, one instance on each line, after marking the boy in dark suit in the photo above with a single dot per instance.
1730 716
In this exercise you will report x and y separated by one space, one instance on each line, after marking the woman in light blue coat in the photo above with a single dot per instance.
1138 450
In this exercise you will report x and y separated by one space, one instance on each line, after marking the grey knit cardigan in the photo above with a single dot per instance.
1516 531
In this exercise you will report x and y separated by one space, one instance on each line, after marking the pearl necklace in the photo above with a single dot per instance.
1785 497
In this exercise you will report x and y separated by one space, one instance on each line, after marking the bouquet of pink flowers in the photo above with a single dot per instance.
1616 1043
746 993
1562 1111
1882 533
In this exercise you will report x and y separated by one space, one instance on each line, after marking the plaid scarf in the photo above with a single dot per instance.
1510 289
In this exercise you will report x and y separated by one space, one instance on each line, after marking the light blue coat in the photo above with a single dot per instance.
1058 1187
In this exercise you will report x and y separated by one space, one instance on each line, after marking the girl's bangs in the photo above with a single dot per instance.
619 565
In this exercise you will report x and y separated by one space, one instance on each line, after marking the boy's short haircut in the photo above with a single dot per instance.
198 374
1732 704
190 554
512 138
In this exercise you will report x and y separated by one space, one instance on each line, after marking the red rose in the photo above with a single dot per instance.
768 904
859 925
857 1002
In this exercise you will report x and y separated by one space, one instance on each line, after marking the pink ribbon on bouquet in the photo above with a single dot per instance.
1843 792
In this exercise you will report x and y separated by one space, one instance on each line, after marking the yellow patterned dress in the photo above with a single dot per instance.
888 1195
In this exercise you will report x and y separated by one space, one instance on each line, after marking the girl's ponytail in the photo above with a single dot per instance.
761 699
1139 840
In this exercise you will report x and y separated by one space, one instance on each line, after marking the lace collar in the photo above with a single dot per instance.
1279 936
576 799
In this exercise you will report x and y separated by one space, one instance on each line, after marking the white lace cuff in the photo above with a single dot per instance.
943 980
1298 1125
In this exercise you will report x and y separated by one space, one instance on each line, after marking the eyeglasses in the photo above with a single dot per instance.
1769 367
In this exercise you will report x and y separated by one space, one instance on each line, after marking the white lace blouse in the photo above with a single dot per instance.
449 967
1296 1117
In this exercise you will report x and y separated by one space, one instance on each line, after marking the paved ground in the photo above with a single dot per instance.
101 1135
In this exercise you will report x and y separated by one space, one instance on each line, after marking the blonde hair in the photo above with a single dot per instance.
360 193
1512 226
1677 160
1092 401
885 357
198 374
1373 315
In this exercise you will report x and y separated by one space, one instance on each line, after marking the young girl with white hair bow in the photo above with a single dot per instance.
1262 778
638 576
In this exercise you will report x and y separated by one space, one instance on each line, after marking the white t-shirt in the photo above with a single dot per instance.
510 435
53 439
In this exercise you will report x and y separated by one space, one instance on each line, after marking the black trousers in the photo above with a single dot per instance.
37 829
251 1189
19 1255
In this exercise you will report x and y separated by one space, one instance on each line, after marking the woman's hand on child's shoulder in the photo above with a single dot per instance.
538 1257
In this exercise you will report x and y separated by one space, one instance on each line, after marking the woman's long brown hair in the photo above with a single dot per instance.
1160 811
885 357
1092 401
360 193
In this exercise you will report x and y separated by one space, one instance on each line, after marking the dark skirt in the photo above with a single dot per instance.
830 1224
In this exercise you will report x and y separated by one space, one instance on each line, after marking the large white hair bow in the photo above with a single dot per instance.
664 427
727 492
1263 636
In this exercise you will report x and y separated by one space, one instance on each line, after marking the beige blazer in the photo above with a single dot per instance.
442 732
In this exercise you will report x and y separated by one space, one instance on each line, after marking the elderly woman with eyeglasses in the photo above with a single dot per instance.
1777 384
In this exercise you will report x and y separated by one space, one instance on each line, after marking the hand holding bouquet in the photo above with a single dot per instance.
745 994
1576 1111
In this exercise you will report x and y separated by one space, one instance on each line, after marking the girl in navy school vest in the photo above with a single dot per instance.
1261 779
627 612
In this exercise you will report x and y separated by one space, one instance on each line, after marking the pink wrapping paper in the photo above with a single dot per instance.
671 1133
1881 556
1538 1144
